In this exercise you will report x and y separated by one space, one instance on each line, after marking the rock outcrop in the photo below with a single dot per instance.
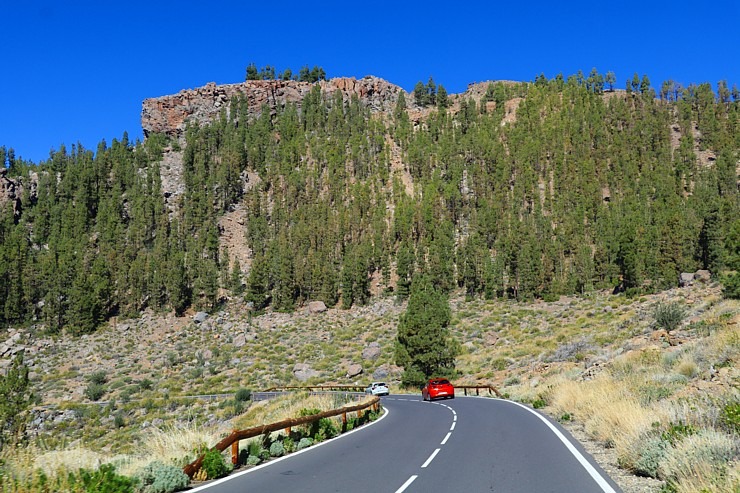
11 189
171 114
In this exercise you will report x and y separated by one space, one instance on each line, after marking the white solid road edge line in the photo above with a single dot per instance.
406 484
603 483
430 459
280 459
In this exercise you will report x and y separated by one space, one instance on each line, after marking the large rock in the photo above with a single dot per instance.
240 340
354 370
316 307
703 276
685 279
200 317
371 352
303 371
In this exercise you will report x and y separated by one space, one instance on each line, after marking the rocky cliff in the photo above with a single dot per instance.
170 114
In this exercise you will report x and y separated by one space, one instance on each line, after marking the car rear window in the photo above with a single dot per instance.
440 382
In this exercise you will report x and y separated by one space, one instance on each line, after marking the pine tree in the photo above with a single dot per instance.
424 346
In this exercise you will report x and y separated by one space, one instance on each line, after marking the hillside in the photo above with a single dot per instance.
268 233
605 345
339 190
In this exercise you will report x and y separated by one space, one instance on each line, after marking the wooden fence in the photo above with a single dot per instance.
233 439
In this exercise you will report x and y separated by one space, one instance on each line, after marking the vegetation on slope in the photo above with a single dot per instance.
580 190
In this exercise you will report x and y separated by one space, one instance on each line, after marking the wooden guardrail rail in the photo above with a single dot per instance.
286 424
311 388
491 389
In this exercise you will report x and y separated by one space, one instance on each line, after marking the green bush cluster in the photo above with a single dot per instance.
94 391
731 416
103 480
157 477
651 452
304 442
277 449
669 316
215 465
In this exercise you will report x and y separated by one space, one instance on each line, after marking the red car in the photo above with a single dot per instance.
437 387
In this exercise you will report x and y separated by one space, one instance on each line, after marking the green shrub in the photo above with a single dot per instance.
676 432
215 465
243 395
146 384
669 316
277 449
731 416
157 477
651 451
253 460
289 445
731 286
94 391
104 480
304 443
99 377
539 403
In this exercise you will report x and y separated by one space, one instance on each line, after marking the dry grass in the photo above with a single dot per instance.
288 406
707 461
607 407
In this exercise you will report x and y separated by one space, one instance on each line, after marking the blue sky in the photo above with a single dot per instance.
77 71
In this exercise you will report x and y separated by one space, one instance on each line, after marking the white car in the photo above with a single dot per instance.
377 388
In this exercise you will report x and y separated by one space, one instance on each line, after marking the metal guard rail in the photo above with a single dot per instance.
233 439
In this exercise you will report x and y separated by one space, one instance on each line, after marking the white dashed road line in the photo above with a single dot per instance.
430 459
434 454
406 484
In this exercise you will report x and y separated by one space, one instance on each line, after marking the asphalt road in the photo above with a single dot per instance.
465 444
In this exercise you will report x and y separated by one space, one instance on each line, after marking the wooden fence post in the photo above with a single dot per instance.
235 452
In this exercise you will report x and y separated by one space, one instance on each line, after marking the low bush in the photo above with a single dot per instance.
304 443
94 391
157 477
104 480
215 465
243 395
669 316
277 449
650 452
99 377
731 416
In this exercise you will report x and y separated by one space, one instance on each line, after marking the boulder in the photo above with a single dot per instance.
303 371
200 317
685 279
316 307
703 276
380 373
240 340
371 352
354 370
491 338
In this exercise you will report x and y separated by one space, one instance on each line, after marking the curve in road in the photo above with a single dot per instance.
465 444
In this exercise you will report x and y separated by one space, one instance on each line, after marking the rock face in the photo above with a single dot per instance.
11 190
170 114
